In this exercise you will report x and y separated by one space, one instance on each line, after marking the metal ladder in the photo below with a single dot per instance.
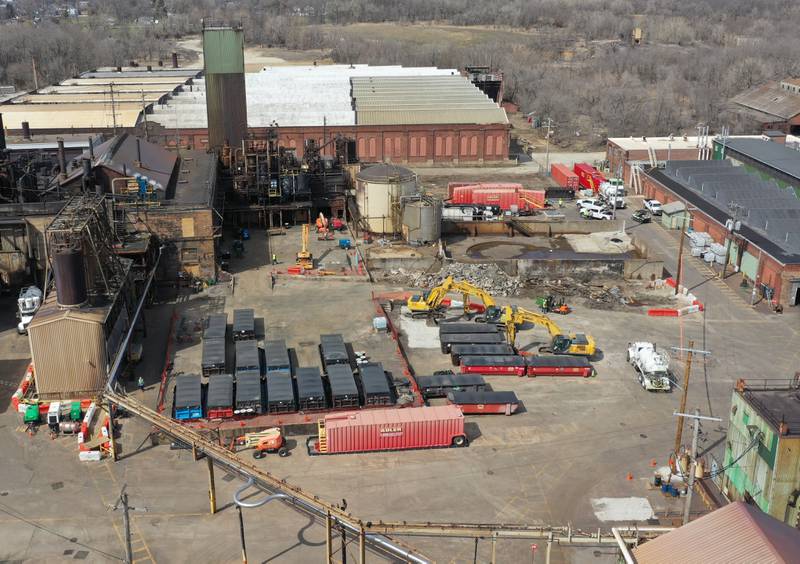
323 436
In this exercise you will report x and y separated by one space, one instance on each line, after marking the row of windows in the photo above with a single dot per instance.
444 146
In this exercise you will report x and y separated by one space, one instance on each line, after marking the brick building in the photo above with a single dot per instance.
765 251
177 206
774 105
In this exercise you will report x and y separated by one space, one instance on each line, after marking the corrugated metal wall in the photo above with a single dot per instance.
69 357
226 102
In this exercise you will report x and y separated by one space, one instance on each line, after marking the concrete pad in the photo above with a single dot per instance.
622 509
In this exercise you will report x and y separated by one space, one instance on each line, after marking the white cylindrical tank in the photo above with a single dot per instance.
378 192
422 220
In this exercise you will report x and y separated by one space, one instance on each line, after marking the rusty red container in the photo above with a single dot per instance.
588 177
560 365
564 176
501 365
484 403
390 429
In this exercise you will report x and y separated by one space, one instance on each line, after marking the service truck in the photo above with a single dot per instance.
651 365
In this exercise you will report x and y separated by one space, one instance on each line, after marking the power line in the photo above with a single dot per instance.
41 527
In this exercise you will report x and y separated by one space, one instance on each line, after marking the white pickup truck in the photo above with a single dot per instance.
651 365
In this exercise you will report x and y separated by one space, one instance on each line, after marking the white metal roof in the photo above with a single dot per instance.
323 95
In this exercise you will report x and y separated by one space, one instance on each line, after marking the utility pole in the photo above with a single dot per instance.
687 370
126 523
687 507
690 352
35 74
547 148
241 533
113 107
679 276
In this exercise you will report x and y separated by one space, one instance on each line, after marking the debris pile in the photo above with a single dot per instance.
596 296
488 276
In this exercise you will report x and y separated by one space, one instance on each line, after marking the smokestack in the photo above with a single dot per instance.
26 130
2 135
174 60
62 157
226 102
87 173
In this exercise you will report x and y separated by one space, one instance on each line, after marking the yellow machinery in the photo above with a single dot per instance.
430 302
574 343
304 257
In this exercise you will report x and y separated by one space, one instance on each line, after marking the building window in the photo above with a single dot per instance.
189 256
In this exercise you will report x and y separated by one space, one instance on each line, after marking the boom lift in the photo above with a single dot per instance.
268 440
430 302
304 257
577 344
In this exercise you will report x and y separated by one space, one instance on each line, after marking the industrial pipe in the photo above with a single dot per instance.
380 540
62 157
260 502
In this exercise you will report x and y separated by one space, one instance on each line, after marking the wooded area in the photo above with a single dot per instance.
570 60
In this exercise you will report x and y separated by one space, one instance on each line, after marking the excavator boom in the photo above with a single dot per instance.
431 300
561 343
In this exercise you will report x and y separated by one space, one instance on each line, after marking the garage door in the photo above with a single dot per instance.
733 253
749 265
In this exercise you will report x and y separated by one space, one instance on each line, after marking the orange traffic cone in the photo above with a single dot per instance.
630 476
653 463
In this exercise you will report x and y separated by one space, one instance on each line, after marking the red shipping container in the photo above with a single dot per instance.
589 177
564 177
484 403
389 429
532 199
559 366
468 187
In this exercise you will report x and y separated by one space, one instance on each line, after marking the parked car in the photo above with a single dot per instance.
583 202
653 206
642 216
594 212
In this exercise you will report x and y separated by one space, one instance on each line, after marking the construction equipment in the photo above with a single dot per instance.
430 302
28 303
652 366
511 317
269 440
304 257
551 304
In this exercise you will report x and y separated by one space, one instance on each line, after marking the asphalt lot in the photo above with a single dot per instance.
575 441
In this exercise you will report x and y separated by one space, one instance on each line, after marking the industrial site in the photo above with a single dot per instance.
348 313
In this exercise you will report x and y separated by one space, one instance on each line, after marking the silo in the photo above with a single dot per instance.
223 66
422 220
378 192
69 274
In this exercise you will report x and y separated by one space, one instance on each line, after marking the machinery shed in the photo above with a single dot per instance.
73 348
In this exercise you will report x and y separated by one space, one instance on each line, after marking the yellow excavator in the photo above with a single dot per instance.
511 317
430 303
304 257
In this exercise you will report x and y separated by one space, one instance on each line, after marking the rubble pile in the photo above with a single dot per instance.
489 277
596 296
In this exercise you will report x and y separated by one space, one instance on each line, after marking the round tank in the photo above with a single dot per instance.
378 192
68 270
422 221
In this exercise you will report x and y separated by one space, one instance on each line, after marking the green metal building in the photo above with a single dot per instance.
762 452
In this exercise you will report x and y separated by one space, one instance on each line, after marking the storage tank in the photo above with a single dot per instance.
68 270
422 220
378 192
